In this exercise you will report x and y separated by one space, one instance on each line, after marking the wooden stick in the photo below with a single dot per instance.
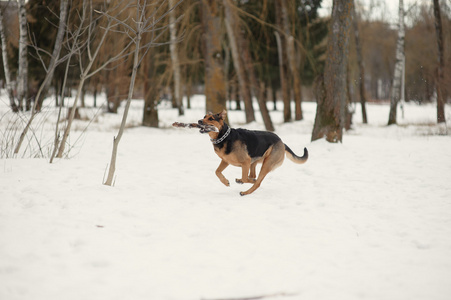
204 128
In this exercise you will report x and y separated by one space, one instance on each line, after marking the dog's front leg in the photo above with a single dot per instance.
219 170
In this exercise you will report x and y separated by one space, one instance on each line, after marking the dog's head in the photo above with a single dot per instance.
216 120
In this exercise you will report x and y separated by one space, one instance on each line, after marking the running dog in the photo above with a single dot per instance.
246 148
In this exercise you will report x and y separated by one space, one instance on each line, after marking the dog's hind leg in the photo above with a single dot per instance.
219 170
263 172
272 161
253 174
245 174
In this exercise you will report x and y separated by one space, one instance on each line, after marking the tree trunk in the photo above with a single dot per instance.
150 111
61 104
175 58
358 48
84 76
70 118
258 88
274 96
283 81
441 64
9 85
331 92
117 139
235 94
395 94
226 71
292 61
55 54
95 95
47 79
188 88
283 68
214 66
22 76
349 111
234 35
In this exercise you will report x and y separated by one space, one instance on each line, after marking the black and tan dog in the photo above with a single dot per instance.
245 148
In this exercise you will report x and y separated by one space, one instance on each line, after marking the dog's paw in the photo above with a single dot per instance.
243 194
240 181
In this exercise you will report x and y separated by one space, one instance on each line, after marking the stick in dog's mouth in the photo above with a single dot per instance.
203 128
208 128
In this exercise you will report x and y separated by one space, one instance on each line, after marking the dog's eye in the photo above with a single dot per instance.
210 119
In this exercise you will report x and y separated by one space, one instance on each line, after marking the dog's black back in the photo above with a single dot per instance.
257 142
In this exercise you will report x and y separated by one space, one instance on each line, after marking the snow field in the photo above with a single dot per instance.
366 219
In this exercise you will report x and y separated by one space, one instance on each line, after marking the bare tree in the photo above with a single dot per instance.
358 49
73 48
292 61
231 22
9 84
259 89
395 94
89 51
151 93
331 95
283 68
175 57
142 24
54 61
214 66
22 76
42 93
441 64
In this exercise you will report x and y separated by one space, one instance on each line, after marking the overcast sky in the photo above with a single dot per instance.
387 8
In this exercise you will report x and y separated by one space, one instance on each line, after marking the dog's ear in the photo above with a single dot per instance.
223 114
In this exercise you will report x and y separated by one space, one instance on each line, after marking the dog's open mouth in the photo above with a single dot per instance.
207 128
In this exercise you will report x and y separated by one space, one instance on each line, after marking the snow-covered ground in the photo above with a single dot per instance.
366 219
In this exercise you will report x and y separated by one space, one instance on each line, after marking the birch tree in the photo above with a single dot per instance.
22 76
331 95
9 84
395 93
440 63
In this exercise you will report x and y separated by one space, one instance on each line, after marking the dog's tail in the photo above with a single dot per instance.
294 158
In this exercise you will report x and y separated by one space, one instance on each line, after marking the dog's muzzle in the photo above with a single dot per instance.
205 128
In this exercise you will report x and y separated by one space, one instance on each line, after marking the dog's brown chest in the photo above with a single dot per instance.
237 157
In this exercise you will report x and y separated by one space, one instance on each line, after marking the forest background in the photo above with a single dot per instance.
228 50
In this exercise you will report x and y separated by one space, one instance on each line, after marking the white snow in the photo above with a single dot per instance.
366 219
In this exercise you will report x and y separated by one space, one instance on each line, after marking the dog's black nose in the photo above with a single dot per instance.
200 122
